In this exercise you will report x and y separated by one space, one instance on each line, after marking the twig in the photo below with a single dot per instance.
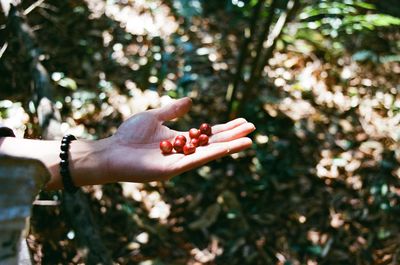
32 7
3 49
46 203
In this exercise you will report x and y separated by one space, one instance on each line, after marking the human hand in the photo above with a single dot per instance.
134 155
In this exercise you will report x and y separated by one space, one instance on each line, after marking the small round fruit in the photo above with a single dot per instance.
205 128
194 133
178 145
189 149
182 138
203 139
166 147
195 142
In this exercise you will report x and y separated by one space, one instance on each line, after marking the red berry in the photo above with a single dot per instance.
195 142
194 133
182 138
189 149
178 145
205 128
166 147
203 139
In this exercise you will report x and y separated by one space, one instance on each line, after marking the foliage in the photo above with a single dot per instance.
350 25
321 183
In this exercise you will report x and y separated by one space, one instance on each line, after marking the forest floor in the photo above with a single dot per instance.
320 185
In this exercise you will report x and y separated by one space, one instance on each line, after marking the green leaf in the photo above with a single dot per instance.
381 20
365 5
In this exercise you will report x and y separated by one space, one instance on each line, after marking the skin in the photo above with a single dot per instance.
133 154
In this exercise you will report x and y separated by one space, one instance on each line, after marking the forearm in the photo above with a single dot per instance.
87 163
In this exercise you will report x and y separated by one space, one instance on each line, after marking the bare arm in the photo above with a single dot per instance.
133 153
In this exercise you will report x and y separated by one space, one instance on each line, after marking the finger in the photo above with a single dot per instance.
228 131
174 110
235 133
219 127
227 126
211 152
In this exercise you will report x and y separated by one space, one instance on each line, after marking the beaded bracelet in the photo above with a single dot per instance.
64 165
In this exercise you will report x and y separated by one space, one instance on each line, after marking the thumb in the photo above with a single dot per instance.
174 110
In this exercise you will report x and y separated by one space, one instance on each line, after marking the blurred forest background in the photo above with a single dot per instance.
319 79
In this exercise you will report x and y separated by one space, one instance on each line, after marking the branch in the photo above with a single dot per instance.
270 43
232 88
269 46
264 35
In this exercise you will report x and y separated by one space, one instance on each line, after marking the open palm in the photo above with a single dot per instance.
135 154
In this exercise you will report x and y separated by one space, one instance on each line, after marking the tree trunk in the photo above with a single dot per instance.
263 36
76 205
268 49
48 116
270 44
237 77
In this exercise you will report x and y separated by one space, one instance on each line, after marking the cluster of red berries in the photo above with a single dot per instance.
198 137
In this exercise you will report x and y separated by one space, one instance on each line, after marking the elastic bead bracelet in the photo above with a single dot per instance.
64 164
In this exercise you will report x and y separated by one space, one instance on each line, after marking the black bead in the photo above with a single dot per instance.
64 163
70 137
64 171
64 155
64 147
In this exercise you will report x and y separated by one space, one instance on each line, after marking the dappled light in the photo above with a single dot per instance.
321 182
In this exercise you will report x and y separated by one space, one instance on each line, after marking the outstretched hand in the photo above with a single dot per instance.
135 155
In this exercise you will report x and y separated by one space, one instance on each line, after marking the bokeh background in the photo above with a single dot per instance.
319 79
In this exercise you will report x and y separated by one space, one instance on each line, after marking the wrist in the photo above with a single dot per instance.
89 162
